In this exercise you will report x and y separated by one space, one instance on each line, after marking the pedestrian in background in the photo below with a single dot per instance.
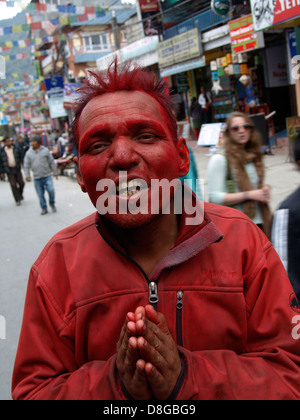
236 175
41 162
286 230
205 102
11 160
20 143
197 116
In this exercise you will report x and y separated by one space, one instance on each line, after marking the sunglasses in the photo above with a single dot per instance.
244 126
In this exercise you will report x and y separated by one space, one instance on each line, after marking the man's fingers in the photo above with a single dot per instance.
157 318
157 382
130 317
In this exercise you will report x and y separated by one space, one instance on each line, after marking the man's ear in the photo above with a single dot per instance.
183 157
78 175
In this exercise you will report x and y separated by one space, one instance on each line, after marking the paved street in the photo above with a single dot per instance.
24 232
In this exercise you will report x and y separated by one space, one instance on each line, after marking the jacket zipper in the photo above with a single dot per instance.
179 305
153 296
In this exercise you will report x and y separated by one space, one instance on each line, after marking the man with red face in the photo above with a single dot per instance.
147 299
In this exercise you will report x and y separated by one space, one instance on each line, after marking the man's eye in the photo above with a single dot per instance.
146 137
97 147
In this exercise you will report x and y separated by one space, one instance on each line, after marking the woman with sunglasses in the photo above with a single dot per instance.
236 175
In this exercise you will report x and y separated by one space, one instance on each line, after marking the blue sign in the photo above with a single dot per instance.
54 82
4 121
292 42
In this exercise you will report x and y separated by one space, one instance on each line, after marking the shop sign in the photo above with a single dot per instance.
268 13
132 51
293 66
242 35
56 107
293 127
3 120
186 66
182 82
149 6
151 21
220 7
179 48
277 67
54 83
71 95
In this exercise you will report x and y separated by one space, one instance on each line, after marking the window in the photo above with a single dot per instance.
96 42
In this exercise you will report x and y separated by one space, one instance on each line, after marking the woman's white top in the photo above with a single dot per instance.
217 186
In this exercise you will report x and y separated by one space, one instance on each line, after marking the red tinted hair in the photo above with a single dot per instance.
120 78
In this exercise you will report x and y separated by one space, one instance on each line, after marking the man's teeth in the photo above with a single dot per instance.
129 188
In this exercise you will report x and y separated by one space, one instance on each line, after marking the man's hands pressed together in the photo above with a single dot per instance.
147 357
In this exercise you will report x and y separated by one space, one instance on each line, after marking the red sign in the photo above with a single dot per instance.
271 12
285 10
242 34
149 6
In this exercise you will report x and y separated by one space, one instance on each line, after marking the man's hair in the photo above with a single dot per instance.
297 147
36 137
121 78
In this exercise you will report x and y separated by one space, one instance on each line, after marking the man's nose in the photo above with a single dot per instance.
123 154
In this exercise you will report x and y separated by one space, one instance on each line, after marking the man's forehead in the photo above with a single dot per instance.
131 104
122 100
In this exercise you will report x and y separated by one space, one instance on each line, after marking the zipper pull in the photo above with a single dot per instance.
153 298
179 302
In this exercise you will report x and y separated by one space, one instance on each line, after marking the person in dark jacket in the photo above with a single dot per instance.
286 230
197 116
20 143
11 159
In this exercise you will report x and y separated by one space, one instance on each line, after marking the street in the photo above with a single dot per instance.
24 232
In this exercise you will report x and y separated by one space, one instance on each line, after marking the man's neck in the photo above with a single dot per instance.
148 244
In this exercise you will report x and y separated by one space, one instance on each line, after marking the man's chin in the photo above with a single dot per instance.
129 221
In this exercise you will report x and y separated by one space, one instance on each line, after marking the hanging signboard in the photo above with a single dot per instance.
56 107
151 19
54 83
71 95
270 12
180 48
220 7
242 35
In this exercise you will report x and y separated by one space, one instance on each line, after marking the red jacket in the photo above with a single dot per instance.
222 288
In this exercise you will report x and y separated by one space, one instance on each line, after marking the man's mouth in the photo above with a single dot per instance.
130 188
